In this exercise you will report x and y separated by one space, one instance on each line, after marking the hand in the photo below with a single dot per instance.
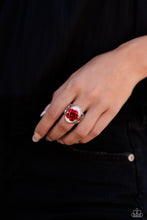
100 88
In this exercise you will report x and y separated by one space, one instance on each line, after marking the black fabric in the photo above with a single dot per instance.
41 44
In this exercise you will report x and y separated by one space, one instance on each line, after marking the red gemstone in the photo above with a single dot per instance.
72 114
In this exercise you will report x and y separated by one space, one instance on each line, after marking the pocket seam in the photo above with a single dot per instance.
99 155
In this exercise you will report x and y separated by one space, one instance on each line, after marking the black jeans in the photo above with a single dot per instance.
103 179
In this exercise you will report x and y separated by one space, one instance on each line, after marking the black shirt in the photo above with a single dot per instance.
43 42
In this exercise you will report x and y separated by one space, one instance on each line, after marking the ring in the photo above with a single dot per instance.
73 114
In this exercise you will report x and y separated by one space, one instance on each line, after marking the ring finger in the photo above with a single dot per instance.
62 127
85 126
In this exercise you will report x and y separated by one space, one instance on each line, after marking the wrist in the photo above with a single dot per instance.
134 54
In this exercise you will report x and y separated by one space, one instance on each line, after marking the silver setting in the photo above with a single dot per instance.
75 107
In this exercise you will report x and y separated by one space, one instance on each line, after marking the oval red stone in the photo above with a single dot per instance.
72 114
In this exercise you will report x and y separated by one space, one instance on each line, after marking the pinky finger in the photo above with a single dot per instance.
99 126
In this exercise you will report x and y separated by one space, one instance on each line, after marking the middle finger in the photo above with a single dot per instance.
85 126
62 127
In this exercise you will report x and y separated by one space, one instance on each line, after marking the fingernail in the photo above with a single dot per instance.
48 139
44 111
36 137
61 142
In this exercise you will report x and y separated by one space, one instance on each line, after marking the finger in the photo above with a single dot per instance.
55 110
58 92
45 110
99 126
62 126
84 127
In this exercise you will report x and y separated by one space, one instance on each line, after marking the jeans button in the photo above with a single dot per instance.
131 157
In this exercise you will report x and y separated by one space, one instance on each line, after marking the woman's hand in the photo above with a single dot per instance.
100 88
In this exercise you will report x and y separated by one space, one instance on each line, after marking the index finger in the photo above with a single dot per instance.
55 110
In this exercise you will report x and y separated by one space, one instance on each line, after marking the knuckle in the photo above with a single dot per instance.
113 111
51 113
92 95
63 126
55 94
80 134
104 101
49 137
74 84
95 132
68 143
83 141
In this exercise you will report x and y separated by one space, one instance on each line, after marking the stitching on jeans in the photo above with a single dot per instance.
106 156
138 185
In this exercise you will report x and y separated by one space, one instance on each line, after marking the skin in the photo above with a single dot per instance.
101 87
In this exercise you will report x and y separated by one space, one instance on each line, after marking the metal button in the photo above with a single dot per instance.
131 157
